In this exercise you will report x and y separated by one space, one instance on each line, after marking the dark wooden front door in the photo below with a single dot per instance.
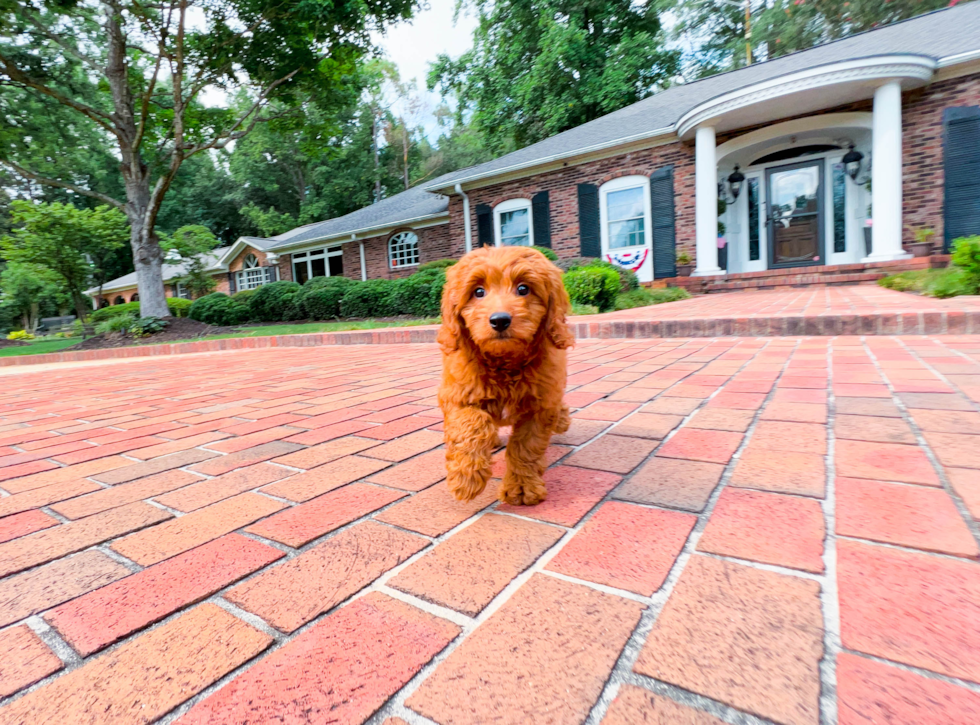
795 214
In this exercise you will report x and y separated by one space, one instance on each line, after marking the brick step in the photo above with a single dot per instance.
794 280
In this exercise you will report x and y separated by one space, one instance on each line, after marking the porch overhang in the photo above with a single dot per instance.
806 91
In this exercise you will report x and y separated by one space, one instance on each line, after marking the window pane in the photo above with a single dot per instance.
319 268
300 272
840 244
754 220
514 228
403 250
626 234
336 265
625 204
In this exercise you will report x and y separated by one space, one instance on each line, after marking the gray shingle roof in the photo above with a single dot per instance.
408 205
170 272
936 35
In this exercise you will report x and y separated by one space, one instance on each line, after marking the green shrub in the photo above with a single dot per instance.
276 302
570 263
321 301
218 308
243 295
966 256
949 282
437 264
178 306
592 285
130 308
578 309
119 323
420 294
146 326
911 281
547 253
374 298
20 335
627 278
642 297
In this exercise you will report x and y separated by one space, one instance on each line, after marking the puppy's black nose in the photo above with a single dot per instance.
499 321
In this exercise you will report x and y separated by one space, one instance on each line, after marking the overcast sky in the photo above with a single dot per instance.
415 44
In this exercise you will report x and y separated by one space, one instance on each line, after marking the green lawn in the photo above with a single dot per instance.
38 347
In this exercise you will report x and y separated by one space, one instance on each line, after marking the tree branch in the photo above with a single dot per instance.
54 37
21 78
62 184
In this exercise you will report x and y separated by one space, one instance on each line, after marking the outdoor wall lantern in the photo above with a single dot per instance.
852 162
735 181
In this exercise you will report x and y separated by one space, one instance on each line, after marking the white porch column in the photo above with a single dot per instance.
886 175
705 202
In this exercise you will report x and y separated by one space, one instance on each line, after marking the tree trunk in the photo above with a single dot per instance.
148 260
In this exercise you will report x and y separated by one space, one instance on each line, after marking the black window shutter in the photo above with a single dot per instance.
588 220
961 200
662 210
541 219
231 283
484 226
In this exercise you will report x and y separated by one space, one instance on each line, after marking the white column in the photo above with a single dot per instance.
706 202
363 264
886 175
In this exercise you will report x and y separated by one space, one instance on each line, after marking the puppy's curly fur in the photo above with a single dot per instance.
512 377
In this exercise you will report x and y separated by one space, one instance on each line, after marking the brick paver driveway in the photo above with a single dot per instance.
738 530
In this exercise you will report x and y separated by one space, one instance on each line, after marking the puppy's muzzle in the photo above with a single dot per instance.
500 321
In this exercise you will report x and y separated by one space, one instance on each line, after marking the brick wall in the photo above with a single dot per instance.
433 244
563 195
922 149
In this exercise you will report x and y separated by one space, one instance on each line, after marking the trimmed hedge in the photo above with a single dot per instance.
218 308
178 307
320 297
552 257
592 285
437 264
421 293
373 298
628 280
276 302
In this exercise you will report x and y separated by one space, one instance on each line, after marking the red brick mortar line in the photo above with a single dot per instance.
953 322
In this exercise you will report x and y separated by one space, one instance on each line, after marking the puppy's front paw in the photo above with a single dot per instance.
526 493
467 487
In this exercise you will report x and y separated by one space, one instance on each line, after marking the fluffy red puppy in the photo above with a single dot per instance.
503 342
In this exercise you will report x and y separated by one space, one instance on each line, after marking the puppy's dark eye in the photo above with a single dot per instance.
479 292
523 290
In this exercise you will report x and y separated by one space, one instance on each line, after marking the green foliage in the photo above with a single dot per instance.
218 308
190 246
320 298
243 295
592 285
949 282
29 292
420 294
437 264
373 298
178 306
119 323
911 281
780 26
543 66
551 256
642 297
64 239
578 309
20 335
107 313
146 326
627 278
276 302
966 256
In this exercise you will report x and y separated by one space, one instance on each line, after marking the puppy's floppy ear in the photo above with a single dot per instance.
556 328
451 330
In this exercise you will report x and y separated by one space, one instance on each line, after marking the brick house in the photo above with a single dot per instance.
819 166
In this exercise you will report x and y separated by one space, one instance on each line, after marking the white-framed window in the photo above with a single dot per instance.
252 275
403 250
624 211
327 262
512 223
182 291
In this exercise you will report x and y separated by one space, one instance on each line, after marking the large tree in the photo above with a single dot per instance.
134 73
717 27
538 67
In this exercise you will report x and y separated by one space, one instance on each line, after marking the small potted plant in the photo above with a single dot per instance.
684 266
922 246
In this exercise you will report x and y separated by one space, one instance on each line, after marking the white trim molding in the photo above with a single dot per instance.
911 70
512 205
824 122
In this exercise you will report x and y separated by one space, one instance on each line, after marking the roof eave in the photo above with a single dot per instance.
351 235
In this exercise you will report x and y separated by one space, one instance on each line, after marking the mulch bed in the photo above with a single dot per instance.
11 343
180 328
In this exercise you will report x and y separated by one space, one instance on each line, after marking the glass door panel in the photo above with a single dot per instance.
795 214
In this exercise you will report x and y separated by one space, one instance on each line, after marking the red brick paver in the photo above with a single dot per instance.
219 497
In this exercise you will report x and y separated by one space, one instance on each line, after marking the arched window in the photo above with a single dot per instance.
252 275
512 223
120 300
103 303
403 250
135 297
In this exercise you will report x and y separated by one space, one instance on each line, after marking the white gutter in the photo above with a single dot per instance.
339 236
958 58
467 232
